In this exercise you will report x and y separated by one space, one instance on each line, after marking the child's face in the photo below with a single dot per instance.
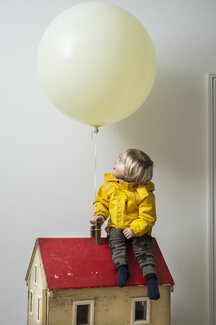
118 169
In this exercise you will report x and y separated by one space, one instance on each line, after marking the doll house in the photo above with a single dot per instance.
72 281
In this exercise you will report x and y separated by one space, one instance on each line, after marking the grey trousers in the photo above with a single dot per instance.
140 246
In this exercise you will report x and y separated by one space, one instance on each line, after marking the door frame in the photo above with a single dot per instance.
212 197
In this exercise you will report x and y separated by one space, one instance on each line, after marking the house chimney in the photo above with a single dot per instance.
95 232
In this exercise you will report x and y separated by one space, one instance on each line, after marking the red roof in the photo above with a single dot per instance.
74 263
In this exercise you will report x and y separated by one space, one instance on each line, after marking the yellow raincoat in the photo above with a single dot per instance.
129 206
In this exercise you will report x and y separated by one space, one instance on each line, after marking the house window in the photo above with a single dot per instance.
30 301
35 274
140 311
83 312
38 308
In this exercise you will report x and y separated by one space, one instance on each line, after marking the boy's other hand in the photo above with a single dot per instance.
128 233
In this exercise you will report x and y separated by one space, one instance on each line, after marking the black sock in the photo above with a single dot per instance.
153 291
123 274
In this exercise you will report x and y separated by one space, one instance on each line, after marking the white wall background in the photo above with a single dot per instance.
46 159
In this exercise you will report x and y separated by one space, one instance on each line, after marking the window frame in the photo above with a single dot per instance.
148 309
38 316
36 274
30 307
83 302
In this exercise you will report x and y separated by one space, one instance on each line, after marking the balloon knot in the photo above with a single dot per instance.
96 129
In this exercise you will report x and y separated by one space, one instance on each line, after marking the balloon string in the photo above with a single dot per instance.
94 137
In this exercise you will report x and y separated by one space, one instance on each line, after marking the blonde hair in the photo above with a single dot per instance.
138 166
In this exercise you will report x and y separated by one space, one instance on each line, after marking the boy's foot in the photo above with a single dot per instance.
123 274
153 291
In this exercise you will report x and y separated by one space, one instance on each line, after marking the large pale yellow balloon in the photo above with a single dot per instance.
96 63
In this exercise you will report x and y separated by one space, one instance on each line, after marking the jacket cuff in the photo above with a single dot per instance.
134 230
100 213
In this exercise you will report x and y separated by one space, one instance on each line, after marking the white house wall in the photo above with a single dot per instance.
37 288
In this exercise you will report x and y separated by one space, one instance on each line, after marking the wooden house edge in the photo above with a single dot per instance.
36 247
31 260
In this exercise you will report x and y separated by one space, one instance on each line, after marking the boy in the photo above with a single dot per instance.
127 197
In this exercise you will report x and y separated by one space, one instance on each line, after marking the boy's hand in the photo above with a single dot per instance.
96 218
128 233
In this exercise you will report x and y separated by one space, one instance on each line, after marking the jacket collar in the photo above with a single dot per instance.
109 177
